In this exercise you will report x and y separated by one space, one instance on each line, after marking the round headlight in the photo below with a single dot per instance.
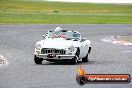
71 48
38 46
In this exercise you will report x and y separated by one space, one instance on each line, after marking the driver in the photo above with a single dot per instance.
58 33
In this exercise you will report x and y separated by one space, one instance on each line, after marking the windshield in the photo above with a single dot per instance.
68 35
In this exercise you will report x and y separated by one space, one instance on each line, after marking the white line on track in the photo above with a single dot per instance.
113 41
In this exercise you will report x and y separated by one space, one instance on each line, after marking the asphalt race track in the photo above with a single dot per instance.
17 46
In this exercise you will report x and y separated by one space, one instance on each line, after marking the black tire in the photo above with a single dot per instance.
75 59
89 50
85 59
38 60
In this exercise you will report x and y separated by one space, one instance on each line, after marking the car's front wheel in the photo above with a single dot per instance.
74 60
38 60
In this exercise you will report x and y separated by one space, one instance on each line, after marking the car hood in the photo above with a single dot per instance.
58 43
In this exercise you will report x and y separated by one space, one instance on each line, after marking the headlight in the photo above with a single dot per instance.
71 48
38 46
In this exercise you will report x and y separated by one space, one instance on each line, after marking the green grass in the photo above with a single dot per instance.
12 11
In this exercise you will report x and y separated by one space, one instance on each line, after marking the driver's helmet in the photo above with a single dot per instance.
58 29
57 32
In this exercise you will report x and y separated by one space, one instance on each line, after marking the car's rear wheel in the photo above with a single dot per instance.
38 60
89 50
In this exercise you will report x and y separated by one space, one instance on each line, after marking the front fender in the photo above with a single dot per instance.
88 42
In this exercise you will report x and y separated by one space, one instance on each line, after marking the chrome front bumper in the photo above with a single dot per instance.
58 57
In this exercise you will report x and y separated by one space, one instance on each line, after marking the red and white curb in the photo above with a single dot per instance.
114 41
3 61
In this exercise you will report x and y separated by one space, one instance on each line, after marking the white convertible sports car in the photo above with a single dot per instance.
63 45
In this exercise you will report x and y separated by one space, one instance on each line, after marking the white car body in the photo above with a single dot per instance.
62 48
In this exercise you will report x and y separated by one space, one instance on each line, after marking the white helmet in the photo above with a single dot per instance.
58 29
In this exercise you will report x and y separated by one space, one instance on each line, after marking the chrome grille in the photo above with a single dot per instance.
52 51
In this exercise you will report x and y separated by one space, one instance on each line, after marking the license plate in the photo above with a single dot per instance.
51 55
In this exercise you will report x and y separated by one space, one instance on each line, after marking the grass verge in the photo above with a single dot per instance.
12 11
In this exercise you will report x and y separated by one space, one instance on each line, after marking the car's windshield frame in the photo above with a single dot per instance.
70 35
